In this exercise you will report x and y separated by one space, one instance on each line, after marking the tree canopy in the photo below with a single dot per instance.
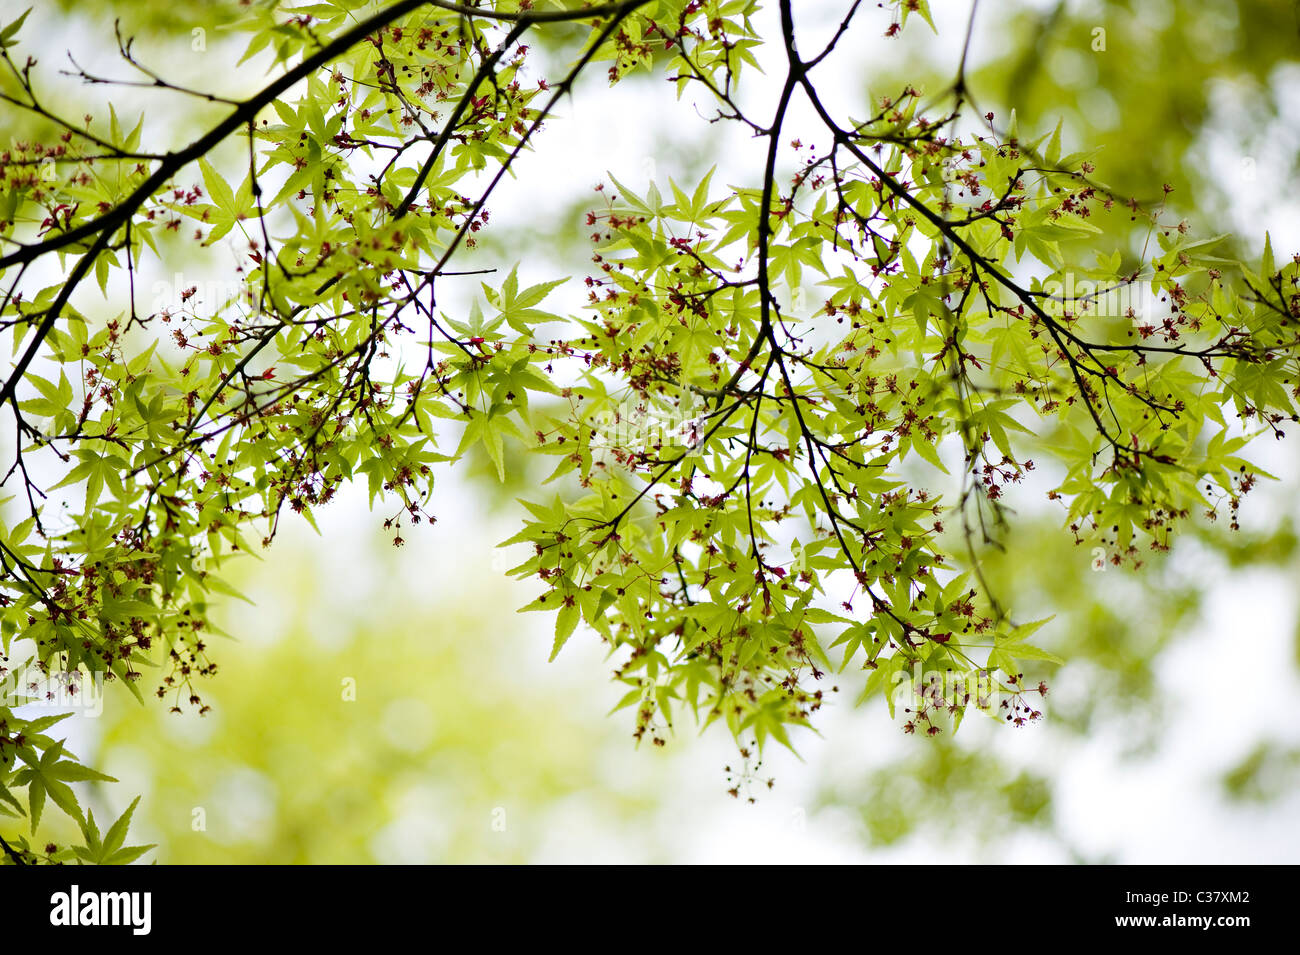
787 436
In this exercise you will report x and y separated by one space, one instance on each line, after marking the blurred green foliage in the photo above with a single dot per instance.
1139 82
1146 103
396 725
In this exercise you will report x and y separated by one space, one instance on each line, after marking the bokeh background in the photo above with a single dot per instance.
389 705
